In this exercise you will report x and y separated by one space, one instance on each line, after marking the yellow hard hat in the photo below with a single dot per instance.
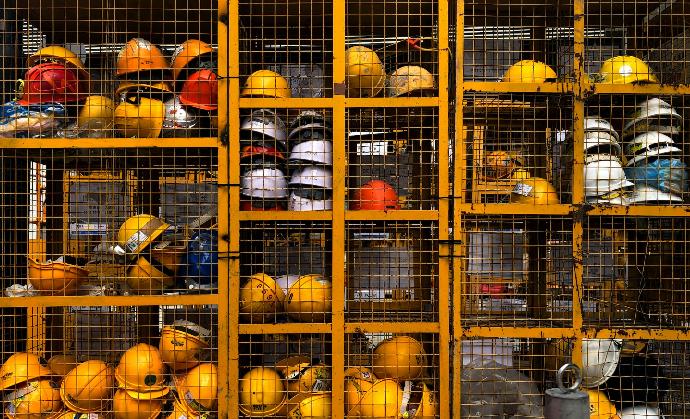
421 401
520 174
33 400
259 296
55 278
142 373
262 392
137 232
400 357
364 72
181 343
309 299
127 407
97 112
140 55
140 117
626 69
266 83
151 87
529 71
303 377
198 388
358 380
500 164
22 367
187 52
148 277
317 406
179 411
58 54
410 79
534 190
61 364
88 387
600 407
382 400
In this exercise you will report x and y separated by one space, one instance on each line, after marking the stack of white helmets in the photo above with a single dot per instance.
263 143
604 178
653 162
311 163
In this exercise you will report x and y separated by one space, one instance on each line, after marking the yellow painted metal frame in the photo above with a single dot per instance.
580 89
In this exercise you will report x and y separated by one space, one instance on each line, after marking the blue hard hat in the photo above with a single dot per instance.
200 264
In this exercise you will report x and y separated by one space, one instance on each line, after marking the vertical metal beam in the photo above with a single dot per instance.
338 225
459 170
443 205
578 175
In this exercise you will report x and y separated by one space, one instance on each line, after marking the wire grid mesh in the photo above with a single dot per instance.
509 139
285 272
133 221
515 41
643 261
114 361
391 374
653 36
392 271
506 376
514 273
392 158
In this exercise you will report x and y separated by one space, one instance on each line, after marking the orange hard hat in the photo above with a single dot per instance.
186 53
140 55
51 83
200 90
375 195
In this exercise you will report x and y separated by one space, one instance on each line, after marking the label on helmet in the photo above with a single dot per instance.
374 148
18 395
523 189
135 240
320 385
177 52
189 398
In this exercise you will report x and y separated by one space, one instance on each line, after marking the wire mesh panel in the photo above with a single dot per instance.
515 41
116 361
286 48
515 273
392 158
647 40
506 377
391 271
390 374
509 141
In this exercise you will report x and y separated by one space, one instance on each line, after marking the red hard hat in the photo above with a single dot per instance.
250 151
51 83
375 195
200 90
248 206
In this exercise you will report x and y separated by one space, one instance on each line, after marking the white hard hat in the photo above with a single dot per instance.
601 139
301 203
179 120
262 124
307 117
603 173
599 360
312 176
645 194
286 281
312 152
640 412
654 112
264 183
598 124
648 144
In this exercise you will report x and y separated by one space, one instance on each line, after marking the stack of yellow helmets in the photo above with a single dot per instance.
197 390
144 75
147 274
141 378
394 387
28 390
